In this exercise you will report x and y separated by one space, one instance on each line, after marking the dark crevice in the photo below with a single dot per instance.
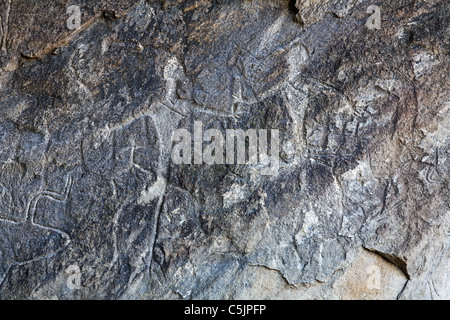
110 15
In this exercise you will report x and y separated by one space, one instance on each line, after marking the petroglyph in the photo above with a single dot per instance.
26 241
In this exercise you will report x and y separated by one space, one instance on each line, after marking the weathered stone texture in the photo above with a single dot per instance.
86 177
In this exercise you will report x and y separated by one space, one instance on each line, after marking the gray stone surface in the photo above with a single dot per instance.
91 205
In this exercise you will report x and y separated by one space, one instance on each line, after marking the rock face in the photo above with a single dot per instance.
92 205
